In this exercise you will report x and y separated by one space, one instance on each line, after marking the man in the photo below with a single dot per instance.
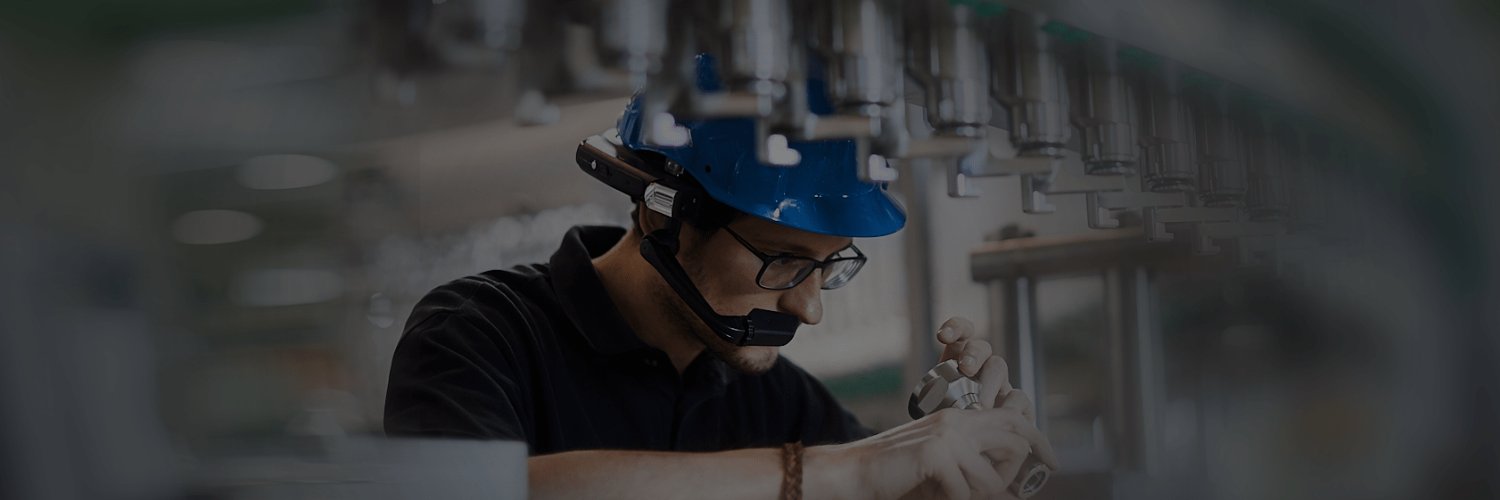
629 349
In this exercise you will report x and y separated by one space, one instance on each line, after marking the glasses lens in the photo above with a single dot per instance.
786 272
840 272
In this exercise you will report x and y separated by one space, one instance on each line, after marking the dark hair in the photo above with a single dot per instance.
718 216
635 221
709 218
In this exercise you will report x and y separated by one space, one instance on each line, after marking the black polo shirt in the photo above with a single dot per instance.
539 353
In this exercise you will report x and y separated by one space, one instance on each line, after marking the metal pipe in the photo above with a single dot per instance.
918 242
1016 328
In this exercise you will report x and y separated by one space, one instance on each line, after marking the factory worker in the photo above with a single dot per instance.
643 362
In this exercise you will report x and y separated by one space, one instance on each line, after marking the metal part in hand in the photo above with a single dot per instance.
945 387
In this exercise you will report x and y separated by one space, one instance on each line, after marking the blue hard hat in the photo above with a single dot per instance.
822 194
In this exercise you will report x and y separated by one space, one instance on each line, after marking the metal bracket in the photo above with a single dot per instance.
1104 206
1067 177
1207 234
1156 219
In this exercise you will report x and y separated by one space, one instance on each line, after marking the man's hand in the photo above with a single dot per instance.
963 454
953 453
976 360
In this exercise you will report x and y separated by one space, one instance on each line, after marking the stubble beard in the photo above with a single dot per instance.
749 360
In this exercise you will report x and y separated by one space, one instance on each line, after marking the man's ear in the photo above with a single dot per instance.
648 220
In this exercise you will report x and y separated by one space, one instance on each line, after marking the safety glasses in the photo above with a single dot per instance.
786 271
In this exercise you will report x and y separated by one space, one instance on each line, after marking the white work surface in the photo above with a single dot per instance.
377 469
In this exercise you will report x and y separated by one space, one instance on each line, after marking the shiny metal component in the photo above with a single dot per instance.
755 54
1104 111
475 33
916 144
418 40
859 42
668 91
1033 86
758 66
1312 198
631 37
945 387
1221 169
1158 221
948 58
1103 206
1265 160
1166 134
1299 183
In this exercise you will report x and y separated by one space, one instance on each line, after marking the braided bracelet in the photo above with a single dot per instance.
791 471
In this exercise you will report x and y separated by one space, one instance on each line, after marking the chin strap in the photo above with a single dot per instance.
760 327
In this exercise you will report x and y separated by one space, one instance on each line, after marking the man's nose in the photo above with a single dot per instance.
805 301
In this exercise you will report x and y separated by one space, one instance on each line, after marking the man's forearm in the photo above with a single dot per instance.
752 474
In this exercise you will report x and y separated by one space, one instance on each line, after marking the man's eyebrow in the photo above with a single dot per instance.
786 246
803 250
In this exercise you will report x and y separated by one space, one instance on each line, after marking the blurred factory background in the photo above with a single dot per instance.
1235 248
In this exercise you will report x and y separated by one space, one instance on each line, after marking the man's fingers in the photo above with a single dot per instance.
994 381
951 478
1039 444
994 426
961 343
971 355
981 474
1019 401
953 351
975 354
1007 461
955 329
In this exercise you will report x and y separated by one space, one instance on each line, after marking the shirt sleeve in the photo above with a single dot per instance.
452 378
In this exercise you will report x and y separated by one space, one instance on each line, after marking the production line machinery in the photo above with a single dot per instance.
1237 277
1181 167
983 87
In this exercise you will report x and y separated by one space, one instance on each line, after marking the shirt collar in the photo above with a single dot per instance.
584 299
581 292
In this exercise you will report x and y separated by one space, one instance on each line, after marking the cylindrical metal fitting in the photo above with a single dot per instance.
632 36
945 387
859 40
1265 165
475 33
1105 111
1310 197
756 52
1221 168
948 57
1166 133
1035 89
